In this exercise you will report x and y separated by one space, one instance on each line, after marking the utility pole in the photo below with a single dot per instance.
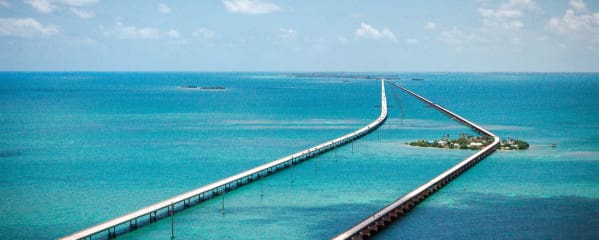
223 203
172 210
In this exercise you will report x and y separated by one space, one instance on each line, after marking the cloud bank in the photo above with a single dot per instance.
25 27
366 31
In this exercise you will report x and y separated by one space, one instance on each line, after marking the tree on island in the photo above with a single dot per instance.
521 144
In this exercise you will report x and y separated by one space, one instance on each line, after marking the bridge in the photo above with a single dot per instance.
144 216
385 216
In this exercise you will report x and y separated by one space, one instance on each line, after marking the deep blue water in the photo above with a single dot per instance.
79 148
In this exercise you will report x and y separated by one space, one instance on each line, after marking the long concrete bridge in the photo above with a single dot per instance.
144 216
385 216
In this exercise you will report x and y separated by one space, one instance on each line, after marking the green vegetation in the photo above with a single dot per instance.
213 88
513 144
204 87
470 142
420 143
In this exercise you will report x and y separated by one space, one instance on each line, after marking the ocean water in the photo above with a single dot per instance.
80 148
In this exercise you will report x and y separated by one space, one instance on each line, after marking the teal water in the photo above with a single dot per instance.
80 148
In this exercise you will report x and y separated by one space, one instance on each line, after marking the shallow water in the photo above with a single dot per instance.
81 148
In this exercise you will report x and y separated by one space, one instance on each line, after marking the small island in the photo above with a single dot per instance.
470 142
204 87
213 88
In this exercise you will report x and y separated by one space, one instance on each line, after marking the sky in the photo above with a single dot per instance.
302 36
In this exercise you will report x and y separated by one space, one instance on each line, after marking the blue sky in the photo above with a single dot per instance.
287 35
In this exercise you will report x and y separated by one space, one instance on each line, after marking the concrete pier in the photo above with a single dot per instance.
382 218
144 216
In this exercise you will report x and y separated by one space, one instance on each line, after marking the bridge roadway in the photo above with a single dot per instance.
154 212
382 218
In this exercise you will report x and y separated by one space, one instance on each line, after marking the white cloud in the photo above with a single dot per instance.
507 16
25 27
123 31
509 9
572 22
173 33
48 6
147 33
78 3
368 32
412 40
577 24
287 34
163 8
520 4
430 26
4 3
204 33
250 6
500 13
43 6
578 5
84 14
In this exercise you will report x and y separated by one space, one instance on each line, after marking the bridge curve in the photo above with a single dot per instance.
131 221
385 216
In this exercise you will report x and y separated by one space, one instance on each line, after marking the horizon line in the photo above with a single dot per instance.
273 71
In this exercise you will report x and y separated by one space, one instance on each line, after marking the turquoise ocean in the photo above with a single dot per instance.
80 148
